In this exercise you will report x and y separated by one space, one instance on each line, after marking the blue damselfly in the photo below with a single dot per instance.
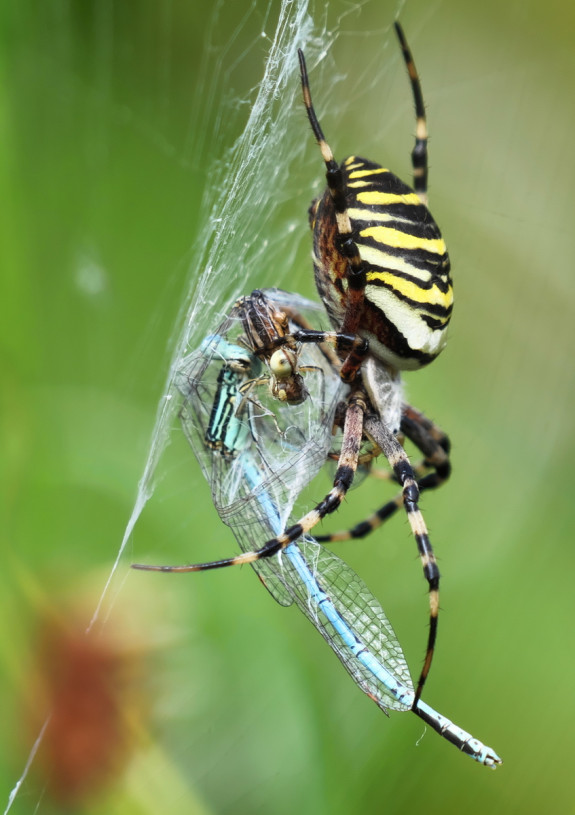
258 451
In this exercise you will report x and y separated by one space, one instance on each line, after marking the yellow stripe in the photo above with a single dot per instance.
370 215
401 240
432 297
383 198
364 173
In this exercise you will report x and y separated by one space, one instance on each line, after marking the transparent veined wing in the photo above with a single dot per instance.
268 451
295 437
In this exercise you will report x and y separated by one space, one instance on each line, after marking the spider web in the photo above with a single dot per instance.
251 185
263 178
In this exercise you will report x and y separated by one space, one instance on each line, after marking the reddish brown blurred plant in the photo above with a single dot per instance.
88 685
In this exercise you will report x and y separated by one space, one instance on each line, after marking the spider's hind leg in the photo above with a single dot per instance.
399 461
432 442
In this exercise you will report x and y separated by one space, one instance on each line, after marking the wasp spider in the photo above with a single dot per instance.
382 271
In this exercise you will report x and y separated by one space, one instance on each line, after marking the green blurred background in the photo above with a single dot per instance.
102 174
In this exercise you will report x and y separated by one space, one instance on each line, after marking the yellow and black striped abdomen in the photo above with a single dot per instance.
408 295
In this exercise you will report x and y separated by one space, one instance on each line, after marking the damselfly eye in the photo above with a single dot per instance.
281 364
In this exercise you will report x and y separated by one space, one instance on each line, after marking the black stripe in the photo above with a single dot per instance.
406 212
416 227
433 323
397 343
329 504
442 283
418 258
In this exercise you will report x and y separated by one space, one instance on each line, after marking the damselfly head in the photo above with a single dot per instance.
285 384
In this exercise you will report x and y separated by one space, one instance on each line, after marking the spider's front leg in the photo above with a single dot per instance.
347 262
347 465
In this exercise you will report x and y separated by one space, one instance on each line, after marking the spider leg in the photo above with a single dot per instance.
356 268
353 433
429 439
434 444
353 345
419 152
403 470
326 349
